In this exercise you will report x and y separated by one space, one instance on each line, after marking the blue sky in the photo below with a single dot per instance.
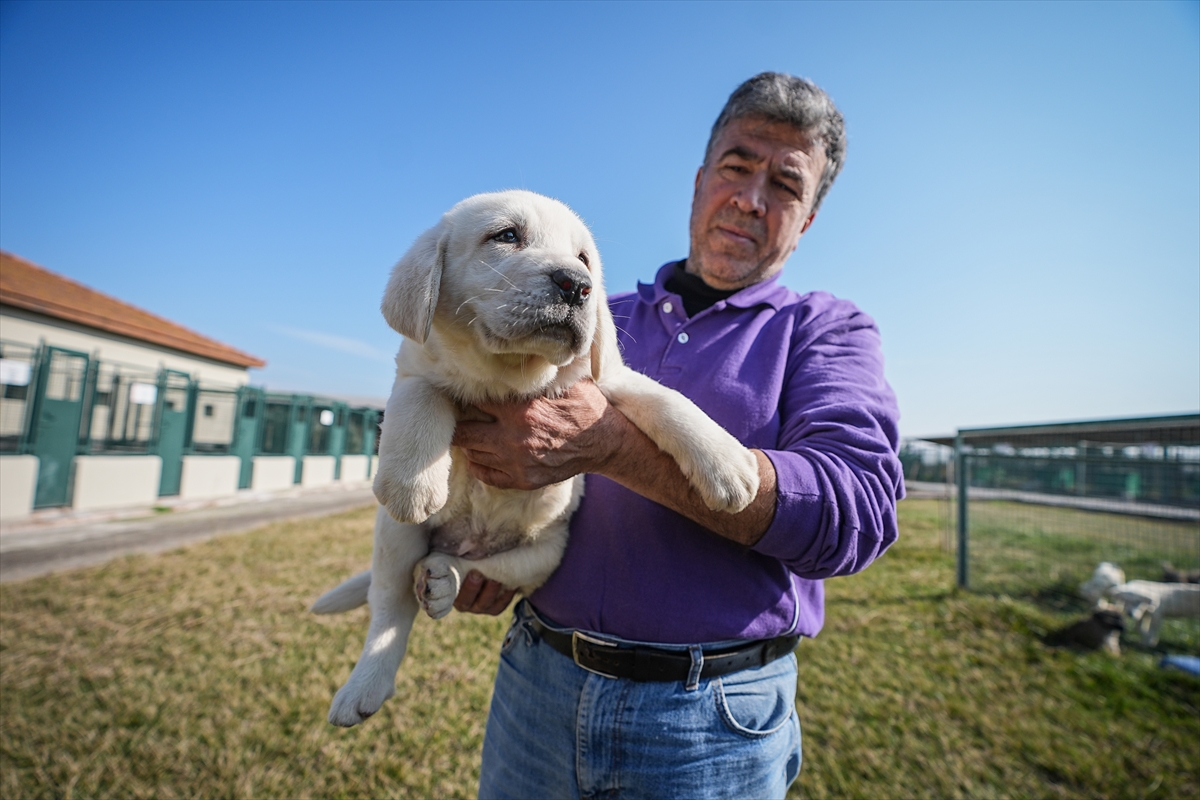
1020 209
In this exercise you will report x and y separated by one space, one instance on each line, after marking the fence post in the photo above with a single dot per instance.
960 475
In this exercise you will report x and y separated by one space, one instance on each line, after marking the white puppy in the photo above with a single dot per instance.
501 300
1150 602
1147 602
1106 576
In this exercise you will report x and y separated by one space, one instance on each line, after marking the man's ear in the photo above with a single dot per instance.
696 188
808 222
412 291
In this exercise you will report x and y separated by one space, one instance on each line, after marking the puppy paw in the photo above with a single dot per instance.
727 484
359 699
436 582
411 501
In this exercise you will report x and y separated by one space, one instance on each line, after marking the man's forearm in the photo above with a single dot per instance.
638 465
543 441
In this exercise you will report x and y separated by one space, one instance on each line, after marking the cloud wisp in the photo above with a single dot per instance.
342 344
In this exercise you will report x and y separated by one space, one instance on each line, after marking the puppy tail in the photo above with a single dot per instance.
345 596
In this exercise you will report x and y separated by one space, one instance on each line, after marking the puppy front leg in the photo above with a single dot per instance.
721 469
413 480
398 547
438 576
1151 623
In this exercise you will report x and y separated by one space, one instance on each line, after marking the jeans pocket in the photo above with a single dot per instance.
516 632
758 702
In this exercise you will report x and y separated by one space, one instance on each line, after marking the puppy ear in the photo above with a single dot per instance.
604 340
412 291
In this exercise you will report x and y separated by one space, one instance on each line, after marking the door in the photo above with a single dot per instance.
297 444
174 393
245 435
56 432
337 437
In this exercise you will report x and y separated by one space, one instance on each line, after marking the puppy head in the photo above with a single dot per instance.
514 272
1106 576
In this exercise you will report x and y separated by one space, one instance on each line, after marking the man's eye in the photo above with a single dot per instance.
507 236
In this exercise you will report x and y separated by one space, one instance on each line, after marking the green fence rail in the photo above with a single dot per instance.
58 404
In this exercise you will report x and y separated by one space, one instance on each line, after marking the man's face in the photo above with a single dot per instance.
753 201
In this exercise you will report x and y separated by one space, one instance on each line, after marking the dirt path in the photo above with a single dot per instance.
54 543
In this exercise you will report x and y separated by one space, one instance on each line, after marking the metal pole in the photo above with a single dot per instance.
960 474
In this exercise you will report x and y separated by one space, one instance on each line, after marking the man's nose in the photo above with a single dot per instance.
751 198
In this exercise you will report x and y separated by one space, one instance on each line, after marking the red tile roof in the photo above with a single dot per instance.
28 286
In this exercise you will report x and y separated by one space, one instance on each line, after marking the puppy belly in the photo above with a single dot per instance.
467 538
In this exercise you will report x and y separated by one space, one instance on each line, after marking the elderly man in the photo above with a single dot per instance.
658 660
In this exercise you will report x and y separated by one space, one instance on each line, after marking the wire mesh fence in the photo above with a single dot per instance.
1032 511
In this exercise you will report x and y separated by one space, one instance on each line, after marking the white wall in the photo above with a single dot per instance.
354 468
209 476
116 481
28 328
18 482
272 473
318 470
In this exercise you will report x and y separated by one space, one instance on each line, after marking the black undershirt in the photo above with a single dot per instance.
695 293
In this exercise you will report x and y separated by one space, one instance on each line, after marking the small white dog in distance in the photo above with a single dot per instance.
502 300
1148 603
1151 602
1106 576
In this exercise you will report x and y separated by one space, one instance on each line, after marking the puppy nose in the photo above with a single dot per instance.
573 286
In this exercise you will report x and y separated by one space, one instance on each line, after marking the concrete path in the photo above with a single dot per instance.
58 540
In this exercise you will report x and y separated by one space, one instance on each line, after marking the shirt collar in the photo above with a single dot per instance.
768 292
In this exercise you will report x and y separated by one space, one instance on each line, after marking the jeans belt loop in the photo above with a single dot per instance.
693 678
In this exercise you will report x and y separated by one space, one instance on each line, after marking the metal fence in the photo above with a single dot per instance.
58 404
1037 508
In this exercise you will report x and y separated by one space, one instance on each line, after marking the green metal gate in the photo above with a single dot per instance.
59 411
297 444
251 405
173 413
337 437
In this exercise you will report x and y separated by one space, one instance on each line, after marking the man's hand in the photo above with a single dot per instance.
480 595
543 441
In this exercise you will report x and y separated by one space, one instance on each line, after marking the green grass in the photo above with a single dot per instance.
1042 554
199 673
1016 546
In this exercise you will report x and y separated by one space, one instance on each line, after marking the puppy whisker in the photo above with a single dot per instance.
498 272
458 310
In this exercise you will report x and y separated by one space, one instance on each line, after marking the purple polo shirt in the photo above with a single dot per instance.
799 377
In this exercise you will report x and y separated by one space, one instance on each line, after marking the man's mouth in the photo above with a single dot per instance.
738 235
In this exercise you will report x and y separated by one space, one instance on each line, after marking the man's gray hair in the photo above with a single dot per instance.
797 102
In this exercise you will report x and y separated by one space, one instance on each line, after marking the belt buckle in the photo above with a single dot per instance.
576 636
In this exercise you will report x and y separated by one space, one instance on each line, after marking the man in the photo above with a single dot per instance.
657 660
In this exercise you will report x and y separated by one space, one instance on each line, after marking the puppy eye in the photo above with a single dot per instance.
584 258
507 236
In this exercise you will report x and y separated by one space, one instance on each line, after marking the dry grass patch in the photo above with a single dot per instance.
199 673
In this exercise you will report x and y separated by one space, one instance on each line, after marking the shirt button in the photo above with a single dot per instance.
667 307
682 338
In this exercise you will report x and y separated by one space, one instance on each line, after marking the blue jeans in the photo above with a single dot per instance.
556 730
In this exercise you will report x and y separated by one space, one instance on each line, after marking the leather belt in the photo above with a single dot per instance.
651 664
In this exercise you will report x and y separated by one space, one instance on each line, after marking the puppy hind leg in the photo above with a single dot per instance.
439 576
393 610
